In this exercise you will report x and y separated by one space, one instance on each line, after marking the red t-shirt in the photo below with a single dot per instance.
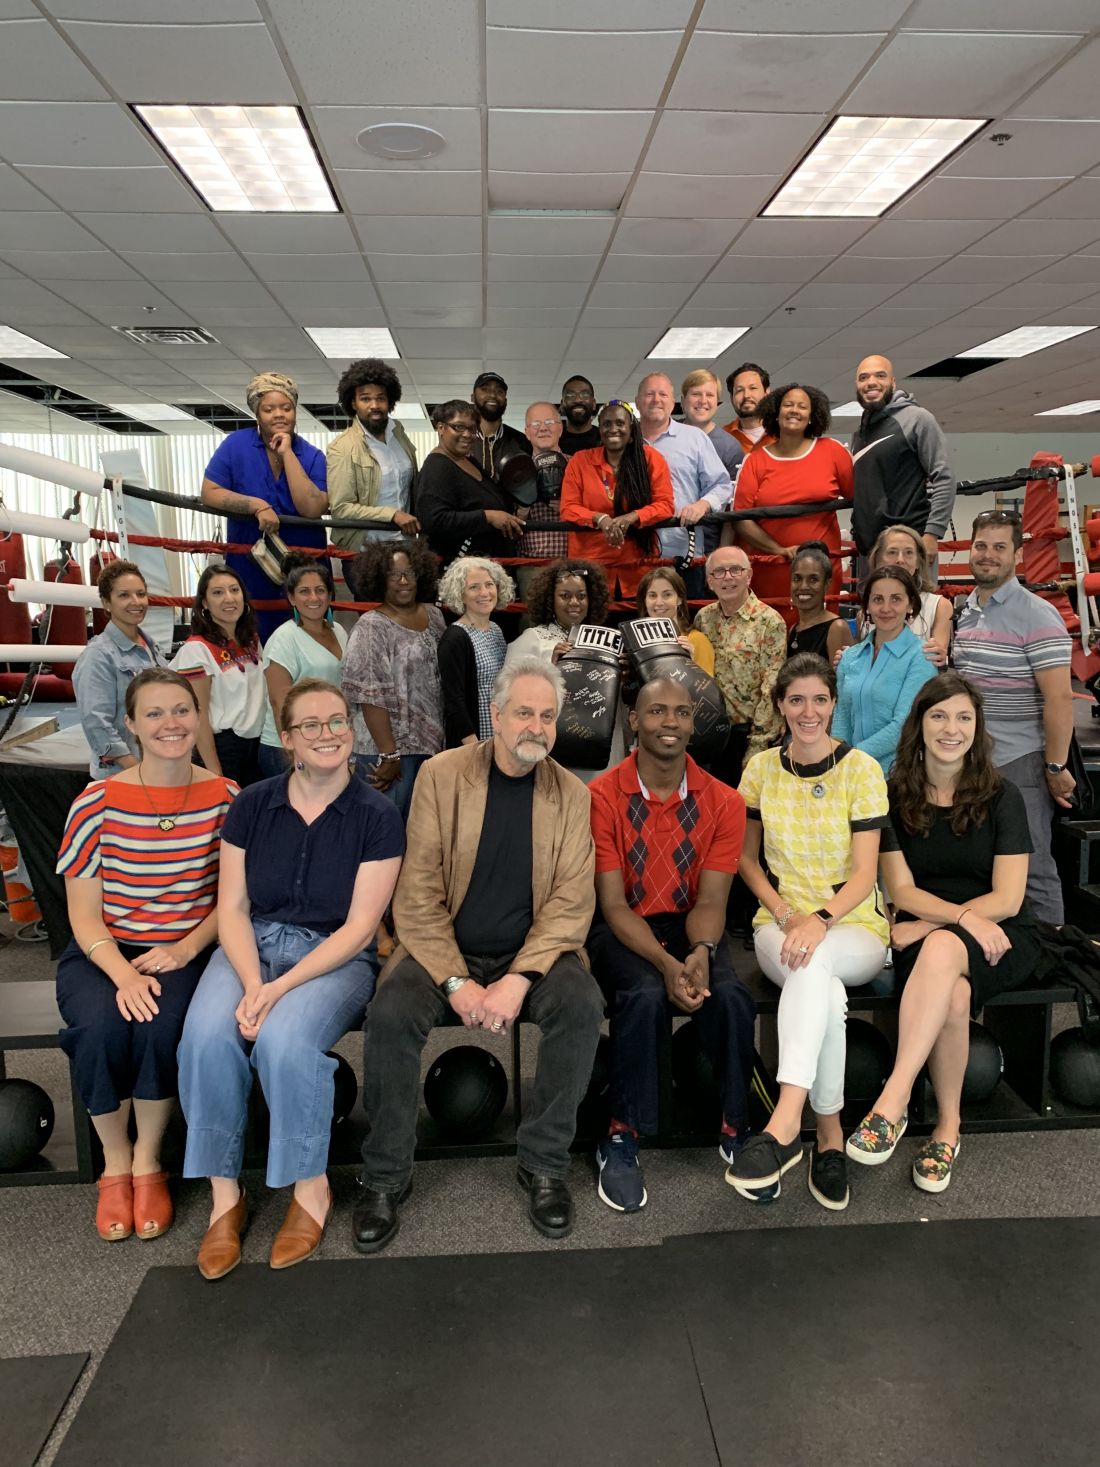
661 846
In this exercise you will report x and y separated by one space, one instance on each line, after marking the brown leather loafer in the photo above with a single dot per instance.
299 1237
220 1249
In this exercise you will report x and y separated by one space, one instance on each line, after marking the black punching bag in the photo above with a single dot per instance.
653 651
592 673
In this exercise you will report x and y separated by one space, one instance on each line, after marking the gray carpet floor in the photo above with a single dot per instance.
62 1290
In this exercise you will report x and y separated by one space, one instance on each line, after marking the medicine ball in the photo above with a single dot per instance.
465 1090
345 1091
1075 1069
26 1122
984 1066
868 1060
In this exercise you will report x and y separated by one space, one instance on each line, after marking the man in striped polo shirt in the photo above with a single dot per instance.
1014 647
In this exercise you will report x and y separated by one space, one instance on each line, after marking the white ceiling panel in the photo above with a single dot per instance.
672 195
198 298
287 234
72 134
762 73
799 16
702 143
17 193
540 316
532 141
555 190
525 268
625 341
94 342
444 344
158 233
519 235
70 264
443 235
1071 92
767 269
127 189
168 268
24 304
192 63
977 268
39 66
1037 296
121 302
948 297
303 301
31 230
1023 236
278 268
1006 15
799 236
907 238
941 75
152 12
854 269
653 319
852 298
453 293
460 127
515 343
628 296
582 15
975 198
675 236
562 69
537 293
1078 200
1074 270
425 267
658 269
271 343
1034 150
384 191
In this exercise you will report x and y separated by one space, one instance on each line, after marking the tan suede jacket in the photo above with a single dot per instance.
354 477
444 828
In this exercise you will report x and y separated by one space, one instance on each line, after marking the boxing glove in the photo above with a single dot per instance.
592 672
653 650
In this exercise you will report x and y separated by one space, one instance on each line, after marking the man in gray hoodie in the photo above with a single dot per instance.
901 469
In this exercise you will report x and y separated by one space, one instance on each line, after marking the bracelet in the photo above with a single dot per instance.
388 758
598 521
100 943
788 913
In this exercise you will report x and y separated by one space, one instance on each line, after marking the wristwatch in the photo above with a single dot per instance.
826 916
711 947
451 985
1052 768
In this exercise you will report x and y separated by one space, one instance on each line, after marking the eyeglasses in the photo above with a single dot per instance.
312 728
465 430
583 396
398 575
544 423
724 572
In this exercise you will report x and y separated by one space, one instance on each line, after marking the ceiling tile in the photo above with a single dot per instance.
798 236
443 235
129 189
701 143
628 341
386 192
278 268
539 68
907 238
955 297
660 269
1074 270
541 316
70 264
192 63
1021 236
853 269
425 267
532 141
582 15
17 193
39 66
159 233
800 16
170 268
556 190
288 234
655 319
1034 150
537 293
121 302
675 236
939 75
1036 296
974 198
31 230
515 234
152 12
460 127
542 267
73 134
423 48
197 298
762 73
977 268
767 269
1070 92
672 195
272 343
736 297
1078 200
635 295
509 342
445 343
93 342
855 299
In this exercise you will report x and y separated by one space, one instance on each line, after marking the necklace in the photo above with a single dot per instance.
167 822
818 789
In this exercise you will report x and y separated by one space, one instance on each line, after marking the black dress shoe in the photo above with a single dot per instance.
375 1220
549 1203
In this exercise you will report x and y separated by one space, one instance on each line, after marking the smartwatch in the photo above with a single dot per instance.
826 916
451 986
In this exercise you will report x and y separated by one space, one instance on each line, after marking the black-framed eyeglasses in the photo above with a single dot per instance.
312 728
585 395
400 575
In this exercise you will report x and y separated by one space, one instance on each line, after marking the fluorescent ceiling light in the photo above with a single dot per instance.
851 409
1072 409
1025 340
408 411
152 412
863 165
14 344
244 159
338 342
690 342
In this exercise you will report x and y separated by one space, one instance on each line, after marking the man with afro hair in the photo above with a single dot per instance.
372 465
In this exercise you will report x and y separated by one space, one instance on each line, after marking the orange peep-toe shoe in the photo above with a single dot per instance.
114 1209
152 1204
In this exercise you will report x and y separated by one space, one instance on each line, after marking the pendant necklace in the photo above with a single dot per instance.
167 822
817 789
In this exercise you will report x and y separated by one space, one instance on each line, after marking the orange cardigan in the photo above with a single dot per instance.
588 491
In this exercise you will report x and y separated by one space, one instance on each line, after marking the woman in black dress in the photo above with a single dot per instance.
817 629
459 509
954 862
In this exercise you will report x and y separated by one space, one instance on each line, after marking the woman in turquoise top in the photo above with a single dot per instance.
878 679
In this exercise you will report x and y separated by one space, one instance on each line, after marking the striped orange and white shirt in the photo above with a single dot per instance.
158 885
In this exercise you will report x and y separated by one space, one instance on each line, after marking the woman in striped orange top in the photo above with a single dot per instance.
140 861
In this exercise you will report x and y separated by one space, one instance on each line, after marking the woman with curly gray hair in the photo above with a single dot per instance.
471 652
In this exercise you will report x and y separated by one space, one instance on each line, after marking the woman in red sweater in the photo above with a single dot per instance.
621 489
801 466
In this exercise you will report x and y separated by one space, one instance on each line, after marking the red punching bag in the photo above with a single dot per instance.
65 624
95 565
15 620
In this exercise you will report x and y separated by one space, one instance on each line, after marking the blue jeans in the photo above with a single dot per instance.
216 1064
401 791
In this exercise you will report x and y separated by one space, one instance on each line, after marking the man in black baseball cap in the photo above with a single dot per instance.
495 437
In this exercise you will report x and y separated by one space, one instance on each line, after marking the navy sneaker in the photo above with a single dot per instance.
730 1148
761 1163
621 1184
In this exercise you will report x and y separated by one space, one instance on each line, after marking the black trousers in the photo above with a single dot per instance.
640 1012
566 1005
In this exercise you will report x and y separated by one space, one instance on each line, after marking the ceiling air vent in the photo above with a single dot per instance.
168 335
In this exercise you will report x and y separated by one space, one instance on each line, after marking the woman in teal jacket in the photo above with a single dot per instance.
877 679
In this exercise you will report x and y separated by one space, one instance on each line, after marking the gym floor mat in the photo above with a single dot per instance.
33 1392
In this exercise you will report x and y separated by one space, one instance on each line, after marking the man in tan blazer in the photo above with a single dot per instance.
491 912
371 467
